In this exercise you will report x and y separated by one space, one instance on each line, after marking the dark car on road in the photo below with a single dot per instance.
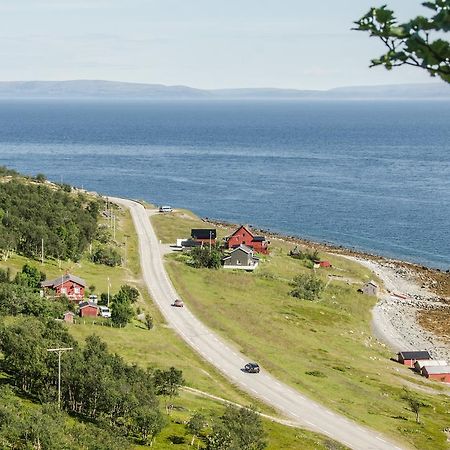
179 303
251 368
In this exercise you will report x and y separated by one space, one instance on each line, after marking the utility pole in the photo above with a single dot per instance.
42 251
108 291
210 233
59 350
114 226
126 248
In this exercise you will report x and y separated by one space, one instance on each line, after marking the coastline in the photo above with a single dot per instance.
400 323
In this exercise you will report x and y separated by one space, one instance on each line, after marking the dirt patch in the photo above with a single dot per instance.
438 322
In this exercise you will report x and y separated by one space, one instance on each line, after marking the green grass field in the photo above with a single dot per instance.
324 348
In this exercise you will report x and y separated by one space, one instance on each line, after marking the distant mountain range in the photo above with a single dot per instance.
120 90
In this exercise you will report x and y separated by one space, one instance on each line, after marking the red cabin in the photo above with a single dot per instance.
322 263
439 373
69 285
243 236
88 309
409 358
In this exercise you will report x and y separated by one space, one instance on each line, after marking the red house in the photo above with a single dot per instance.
440 373
69 285
88 309
409 358
243 236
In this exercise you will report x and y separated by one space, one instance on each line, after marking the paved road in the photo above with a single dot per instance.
229 361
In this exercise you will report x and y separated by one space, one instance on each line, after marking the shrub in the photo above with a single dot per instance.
307 287
316 373
148 321
106 255
121 313
206 257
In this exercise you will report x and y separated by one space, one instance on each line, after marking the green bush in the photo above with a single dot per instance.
307 287
210 258
121 313
106 255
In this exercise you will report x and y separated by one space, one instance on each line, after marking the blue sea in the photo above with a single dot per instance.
373 176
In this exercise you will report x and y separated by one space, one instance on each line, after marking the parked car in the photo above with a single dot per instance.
179 303
252 368
165 208
104 311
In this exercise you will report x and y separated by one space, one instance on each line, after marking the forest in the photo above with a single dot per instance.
33 212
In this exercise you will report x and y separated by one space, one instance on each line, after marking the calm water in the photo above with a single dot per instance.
369 175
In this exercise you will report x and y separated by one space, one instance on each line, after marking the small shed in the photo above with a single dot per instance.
319 263
418 365
88 309
241 257
409 358
370 288
68 317
439 373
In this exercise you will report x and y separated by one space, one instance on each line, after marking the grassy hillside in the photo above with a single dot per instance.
323 348
160 347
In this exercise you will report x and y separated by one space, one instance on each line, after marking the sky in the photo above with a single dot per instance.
200 43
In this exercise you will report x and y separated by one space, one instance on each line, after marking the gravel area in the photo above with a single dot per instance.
394 319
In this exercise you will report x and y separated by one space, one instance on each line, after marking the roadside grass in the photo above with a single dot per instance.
161 348
323 348
278 436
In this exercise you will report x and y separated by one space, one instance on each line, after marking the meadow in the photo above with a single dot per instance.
323 348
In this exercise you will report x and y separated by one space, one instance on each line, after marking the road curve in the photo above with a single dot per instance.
229 361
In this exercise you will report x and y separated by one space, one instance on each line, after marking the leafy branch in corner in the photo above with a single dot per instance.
418 43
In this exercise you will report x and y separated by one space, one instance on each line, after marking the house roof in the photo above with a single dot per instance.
240 228
431 362
86 304
61 280
437 370
190 243
69 313
259 238
245 249
203 233
415 355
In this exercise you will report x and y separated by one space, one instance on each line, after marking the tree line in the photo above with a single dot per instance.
32 211
97 385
